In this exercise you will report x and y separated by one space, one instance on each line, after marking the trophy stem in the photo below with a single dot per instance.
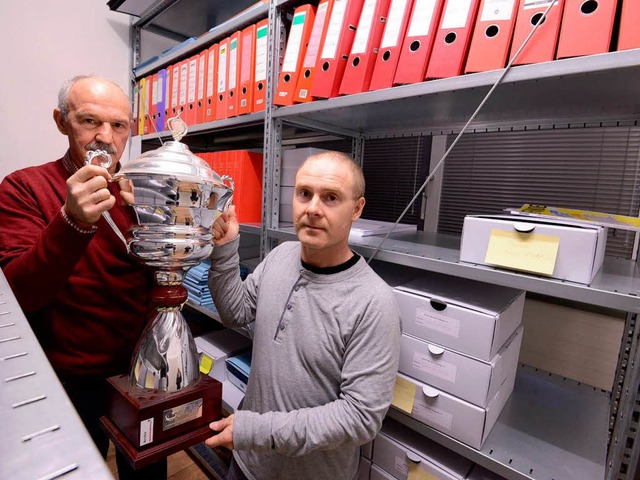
166 358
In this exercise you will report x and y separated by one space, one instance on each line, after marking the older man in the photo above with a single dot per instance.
86 299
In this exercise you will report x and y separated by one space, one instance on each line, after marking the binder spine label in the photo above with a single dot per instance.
233 63
211 68
222 69
334 30
193 73
364 27
294 43
316 36
394 22
496 10
422 18
201 74
261 54
456 13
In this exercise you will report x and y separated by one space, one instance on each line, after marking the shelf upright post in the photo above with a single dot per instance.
272 131
624 447
357 149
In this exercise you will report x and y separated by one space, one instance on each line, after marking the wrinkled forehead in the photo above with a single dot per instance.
326 174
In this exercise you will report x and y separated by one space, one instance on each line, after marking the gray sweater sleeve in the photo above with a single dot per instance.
234 299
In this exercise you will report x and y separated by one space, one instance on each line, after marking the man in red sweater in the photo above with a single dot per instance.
86 298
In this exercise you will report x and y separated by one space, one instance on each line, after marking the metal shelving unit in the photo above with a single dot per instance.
552 427
616 286
43 437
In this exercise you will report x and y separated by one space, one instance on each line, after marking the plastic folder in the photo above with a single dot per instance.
391 44
336 47
492 35
301 27
364 51
542 45
418 42
318 32
260 76
453 38
586 27
629 32
247 69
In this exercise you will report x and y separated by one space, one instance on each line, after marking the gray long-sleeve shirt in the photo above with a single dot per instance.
325 358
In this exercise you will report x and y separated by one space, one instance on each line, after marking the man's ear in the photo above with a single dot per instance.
61 122
358 210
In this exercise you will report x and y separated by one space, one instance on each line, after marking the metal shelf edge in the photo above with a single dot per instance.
556 68
597 293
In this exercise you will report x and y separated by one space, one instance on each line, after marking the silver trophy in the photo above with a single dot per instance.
176 197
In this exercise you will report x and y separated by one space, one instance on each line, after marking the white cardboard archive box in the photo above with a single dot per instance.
473 380
464 421
474 318
379 474
219 345
397 446
581 245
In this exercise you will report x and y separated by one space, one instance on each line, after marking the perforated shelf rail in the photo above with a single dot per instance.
42 436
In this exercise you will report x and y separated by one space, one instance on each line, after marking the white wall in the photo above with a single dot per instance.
44 43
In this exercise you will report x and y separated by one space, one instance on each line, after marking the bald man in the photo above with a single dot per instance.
85 297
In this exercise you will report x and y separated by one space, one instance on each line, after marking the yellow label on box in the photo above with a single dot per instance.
206 364
529 252
403 394
416 473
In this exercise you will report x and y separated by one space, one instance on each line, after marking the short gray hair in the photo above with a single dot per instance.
356 169
63 93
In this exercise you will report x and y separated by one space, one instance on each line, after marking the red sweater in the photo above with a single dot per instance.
85 297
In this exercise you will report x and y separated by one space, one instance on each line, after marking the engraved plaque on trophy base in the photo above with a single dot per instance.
147 425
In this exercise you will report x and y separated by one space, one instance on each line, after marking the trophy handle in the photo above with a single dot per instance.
227 200
91 154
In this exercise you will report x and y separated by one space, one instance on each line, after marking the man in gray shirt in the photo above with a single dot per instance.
326 336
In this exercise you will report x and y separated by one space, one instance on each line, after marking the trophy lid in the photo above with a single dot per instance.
173 159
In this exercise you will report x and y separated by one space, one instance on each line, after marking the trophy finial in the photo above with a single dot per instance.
177 127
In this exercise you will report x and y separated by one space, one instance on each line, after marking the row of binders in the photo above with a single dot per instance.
225 80
245 170
350 46
342 47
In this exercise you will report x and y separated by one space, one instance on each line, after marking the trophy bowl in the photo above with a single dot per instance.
166 403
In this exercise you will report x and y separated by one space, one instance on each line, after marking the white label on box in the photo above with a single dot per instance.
364 27
496 10
335 29
146 431
440 323
432 415
444 370
172 417
456 13
402 465
421 19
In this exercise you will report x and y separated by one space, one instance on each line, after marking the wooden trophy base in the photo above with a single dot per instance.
148 425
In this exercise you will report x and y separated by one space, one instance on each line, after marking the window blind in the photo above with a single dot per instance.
588 168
